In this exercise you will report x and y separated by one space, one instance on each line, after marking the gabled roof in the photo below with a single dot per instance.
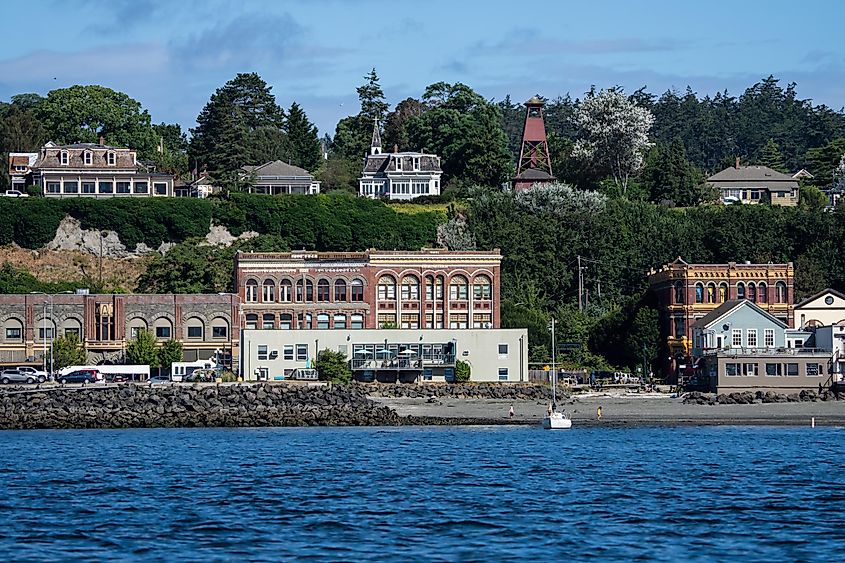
534 174
276 168
748 176
820 294
728 307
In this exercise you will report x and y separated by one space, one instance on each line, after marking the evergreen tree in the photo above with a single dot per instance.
303 142
771 156
332 366
234 127
354 133
668 175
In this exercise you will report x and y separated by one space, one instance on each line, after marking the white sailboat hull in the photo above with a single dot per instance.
556 421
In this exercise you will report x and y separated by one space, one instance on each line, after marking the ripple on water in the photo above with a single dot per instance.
434 494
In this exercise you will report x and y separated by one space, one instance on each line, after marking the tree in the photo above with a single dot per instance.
396 123
354 133
83 114
332 366
612 134
465 130
463 371
822 161
812 198
340 173
303 142
171 154
229 128
189 267
68 351
170 351
142 349
771 156
668 175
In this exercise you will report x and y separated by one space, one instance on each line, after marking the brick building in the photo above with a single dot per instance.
372 289
687 292
105 324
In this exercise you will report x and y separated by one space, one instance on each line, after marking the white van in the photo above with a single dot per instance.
114 372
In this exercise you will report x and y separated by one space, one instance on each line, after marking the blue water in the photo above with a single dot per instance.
431 494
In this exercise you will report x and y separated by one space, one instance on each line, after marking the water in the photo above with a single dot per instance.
411 494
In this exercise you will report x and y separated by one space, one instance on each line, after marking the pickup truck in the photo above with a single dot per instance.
15 193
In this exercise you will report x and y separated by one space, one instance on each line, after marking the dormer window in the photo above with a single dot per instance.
416 163
87 158
399 164
110 158
63 158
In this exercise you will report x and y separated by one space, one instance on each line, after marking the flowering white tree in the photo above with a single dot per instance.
839 175
560 200
612 134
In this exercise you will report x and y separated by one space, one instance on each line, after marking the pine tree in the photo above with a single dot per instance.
353 133
771 156
304 145
226 135
371 96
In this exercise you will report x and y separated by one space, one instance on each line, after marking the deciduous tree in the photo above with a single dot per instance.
142 350
332 366
613 134
68 351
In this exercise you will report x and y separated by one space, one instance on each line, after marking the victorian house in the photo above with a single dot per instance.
398 175
96 170
277 177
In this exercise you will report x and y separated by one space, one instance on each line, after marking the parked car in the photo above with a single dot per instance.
14 376
15 193
115 378
159 379
81 376
39 374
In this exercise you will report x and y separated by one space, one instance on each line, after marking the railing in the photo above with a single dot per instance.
402 363
766 351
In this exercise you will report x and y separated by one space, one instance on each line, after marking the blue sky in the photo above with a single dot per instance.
172 55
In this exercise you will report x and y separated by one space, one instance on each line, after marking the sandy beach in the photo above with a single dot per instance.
623 410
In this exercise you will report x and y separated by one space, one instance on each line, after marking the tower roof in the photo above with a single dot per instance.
535 101
376 143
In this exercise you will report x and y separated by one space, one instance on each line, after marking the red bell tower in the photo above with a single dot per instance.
534 166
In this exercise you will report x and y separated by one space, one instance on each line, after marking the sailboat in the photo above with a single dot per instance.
555 420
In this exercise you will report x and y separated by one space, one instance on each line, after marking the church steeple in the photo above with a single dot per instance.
375 146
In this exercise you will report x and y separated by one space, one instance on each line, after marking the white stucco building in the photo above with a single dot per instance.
389 355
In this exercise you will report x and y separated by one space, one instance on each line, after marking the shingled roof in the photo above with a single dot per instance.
277 168
752 177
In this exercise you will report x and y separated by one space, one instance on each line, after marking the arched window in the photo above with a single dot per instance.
723 292
679 292
322 321
752 292
268 291
356 321
780 292
340 321
308 295
357 290
252 320
12 331
699 292
251 291
387 288
268 321
323 291
458 288
285 295
286 321
711 292
762 293
340 290
482 288
740 290
410 288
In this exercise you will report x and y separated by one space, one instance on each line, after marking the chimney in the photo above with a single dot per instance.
395 148
737 163
102 140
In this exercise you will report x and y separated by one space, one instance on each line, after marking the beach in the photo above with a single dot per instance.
620 410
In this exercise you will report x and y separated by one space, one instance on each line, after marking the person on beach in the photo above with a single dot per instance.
598 413
550 409
511 414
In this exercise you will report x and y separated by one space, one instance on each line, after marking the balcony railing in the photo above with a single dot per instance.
767 352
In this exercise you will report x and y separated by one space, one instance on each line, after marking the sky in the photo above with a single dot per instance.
171 55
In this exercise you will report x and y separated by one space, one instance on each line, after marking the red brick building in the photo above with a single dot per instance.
106 323
373 289
687 292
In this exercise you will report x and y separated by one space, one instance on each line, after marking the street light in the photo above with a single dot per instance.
44 337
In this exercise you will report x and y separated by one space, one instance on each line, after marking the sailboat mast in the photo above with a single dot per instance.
554 368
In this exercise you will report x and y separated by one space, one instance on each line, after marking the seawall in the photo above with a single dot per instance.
142 406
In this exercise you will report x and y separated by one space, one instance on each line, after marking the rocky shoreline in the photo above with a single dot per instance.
141 406
510 391
757 398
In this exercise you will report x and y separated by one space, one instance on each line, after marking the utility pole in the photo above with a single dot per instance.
580 286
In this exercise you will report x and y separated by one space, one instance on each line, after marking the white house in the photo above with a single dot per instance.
825 308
